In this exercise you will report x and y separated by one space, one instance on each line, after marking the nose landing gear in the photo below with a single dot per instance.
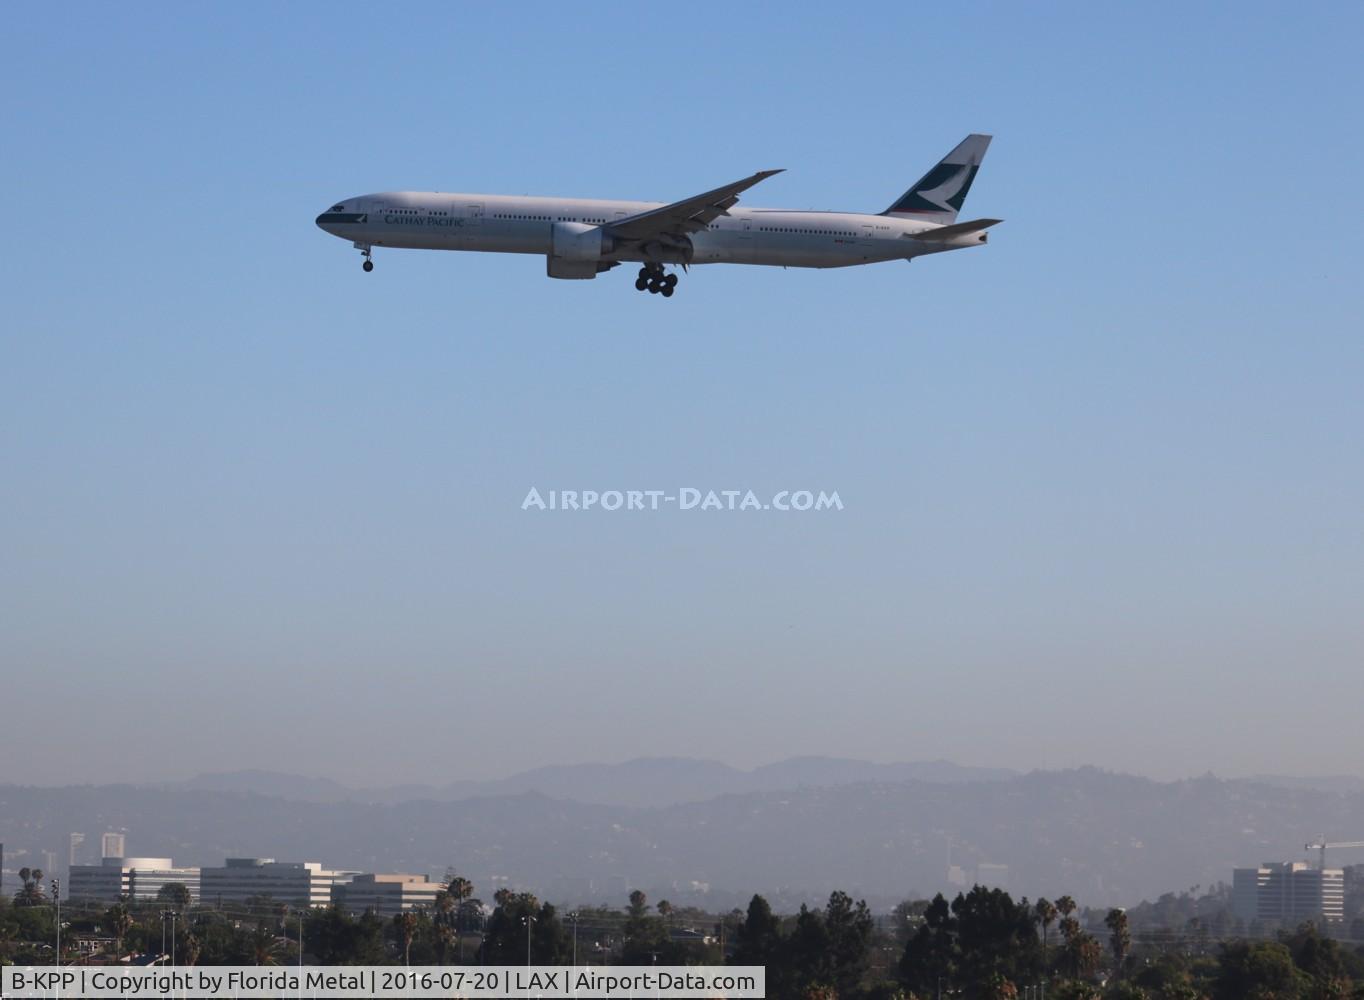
364 249
655 282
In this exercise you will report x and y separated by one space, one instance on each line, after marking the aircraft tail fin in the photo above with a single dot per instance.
940 193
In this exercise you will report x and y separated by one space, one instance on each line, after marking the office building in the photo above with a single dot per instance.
298 883
1288 893
138 879
386 894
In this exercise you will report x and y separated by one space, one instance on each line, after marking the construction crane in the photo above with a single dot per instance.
1322 845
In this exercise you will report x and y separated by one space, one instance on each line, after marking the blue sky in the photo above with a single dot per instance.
1102 478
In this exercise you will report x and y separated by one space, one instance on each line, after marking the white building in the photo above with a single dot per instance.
111 845
1288 893
298 883
386 894
139 879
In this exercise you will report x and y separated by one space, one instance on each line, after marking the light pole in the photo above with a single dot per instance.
574 917
530 920
165 915
57 899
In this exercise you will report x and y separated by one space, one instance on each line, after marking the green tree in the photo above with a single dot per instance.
445 937
646 939
519 920
31 888
264 945
119 922
174 894
758 938
848 928
994 935
1044 911
639 905
1126 991
337 938
460 891
930 956
1119 937
191 948
405 923
1262 970
808 960
1315 954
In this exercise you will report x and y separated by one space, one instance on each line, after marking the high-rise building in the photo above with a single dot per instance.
72 857
111 845
139 879
298 883
1288 893
385 894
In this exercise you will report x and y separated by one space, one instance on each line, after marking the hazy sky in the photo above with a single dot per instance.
1103 487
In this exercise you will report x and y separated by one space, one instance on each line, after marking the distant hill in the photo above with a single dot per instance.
643 782
1339 783
1104 838
274 783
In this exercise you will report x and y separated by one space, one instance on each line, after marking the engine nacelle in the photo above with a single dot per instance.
576 250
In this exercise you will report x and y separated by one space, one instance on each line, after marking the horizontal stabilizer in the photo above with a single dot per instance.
943 233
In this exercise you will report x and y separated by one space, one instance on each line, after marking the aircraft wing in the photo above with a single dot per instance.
687 216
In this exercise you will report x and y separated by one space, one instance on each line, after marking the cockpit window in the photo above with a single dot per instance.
338 208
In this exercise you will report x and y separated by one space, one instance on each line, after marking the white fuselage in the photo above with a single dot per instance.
523 224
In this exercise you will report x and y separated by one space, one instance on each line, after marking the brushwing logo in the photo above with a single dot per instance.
943 190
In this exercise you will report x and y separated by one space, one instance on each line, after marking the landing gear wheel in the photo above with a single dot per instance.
645 274
641 283
368 266
667 289
671 281
655 287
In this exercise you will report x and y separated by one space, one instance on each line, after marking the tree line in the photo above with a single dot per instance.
980 945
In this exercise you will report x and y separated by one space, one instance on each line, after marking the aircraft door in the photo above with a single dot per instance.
745 251
473 227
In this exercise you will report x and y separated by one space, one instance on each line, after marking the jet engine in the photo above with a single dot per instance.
577 249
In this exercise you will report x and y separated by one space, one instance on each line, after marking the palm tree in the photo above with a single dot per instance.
120 921
458 889
191 948
1044 911
1119 939
406 923
264 945
1065 906
31 894
445 934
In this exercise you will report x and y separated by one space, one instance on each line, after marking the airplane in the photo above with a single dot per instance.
581 238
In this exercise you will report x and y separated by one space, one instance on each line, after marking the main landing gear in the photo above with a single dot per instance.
655 282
